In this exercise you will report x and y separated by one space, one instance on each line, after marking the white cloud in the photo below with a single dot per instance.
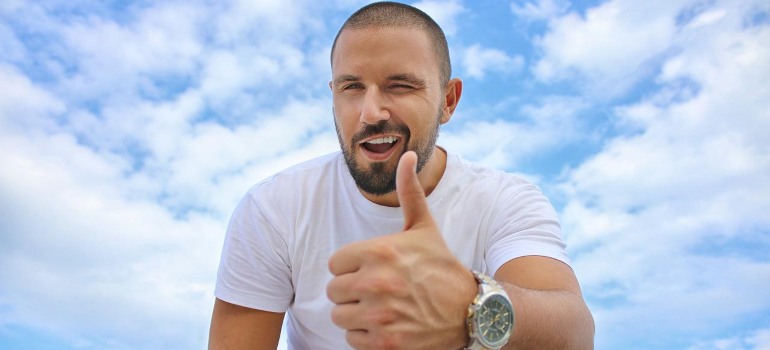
760 340
756 340
609 47
443 12
127 140
12 48
229 160
539 10
652 216
77 255
108 57
23 103
507 137
706 18
265 21
125 154
90 254
477 60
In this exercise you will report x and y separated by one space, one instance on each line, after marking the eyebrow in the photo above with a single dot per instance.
408 78
345 78
405 77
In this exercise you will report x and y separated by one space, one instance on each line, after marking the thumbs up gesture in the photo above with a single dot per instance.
405 290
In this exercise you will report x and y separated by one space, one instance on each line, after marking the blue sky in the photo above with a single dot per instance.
129 130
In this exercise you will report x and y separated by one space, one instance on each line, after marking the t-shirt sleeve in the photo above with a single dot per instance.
524 224
254 269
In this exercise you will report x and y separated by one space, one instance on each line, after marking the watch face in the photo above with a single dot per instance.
495 320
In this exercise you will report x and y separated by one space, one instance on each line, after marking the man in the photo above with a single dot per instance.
373 247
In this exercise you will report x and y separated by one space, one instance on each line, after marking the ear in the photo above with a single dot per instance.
331 87
454 90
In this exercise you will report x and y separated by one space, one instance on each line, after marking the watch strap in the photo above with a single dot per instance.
487 285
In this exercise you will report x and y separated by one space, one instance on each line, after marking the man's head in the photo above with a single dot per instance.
391 91
388 14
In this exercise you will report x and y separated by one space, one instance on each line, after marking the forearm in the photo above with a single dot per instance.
238 327
549 319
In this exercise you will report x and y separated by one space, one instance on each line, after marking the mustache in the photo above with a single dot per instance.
382 127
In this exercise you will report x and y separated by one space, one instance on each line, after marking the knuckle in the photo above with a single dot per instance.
381 284
336 316
330 290
355 341
383 250
383 316
388 341
333 290
331 265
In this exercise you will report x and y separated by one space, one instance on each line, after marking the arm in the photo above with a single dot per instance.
549 309
251 273
236 327
408 291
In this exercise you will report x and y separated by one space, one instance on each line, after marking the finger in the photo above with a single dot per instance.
358 339
348 316
341 289
347 259
411 196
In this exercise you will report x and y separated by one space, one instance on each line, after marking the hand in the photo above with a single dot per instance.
403 290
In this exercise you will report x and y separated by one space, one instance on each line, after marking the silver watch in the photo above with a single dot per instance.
490 316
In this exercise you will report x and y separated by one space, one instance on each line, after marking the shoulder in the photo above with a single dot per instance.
305 173
279 196
480 177
502 194
288 187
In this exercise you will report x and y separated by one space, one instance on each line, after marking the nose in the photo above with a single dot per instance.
374 107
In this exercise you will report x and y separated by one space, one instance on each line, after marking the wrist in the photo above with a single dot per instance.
468 290
490 316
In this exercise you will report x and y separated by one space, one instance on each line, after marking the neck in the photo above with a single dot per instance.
429 177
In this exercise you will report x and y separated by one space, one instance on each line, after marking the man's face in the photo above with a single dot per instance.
388 99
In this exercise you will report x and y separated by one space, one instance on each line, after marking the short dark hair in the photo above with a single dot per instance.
387 14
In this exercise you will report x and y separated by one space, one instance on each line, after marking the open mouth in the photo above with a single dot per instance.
380 148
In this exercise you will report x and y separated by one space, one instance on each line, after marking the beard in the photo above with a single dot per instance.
379 178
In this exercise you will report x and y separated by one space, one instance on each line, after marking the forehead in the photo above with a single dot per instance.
370 50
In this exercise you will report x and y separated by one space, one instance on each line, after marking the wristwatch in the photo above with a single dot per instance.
490 315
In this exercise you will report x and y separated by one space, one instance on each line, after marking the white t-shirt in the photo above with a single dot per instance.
282 233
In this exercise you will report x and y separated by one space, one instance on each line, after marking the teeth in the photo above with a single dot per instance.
386 139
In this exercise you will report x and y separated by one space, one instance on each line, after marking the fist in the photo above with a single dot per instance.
405 290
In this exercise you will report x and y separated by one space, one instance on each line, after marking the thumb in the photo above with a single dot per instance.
411 196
